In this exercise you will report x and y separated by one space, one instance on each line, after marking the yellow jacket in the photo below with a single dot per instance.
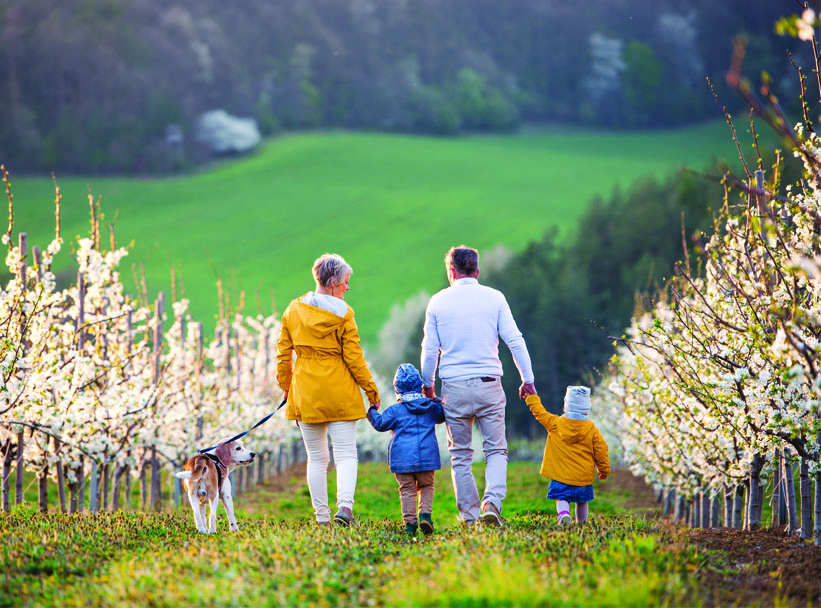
574 448
330 367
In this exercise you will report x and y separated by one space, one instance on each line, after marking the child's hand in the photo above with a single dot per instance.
602 476
375 405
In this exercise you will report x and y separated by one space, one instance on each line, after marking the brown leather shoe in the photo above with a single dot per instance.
491 516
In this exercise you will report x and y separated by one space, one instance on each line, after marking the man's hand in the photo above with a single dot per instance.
376 404
428 390
527 389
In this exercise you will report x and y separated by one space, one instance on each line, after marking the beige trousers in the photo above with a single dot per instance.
415 490
466 402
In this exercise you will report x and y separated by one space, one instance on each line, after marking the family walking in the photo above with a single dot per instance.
321 369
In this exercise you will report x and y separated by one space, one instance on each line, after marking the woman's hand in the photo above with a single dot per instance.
285 395
376 405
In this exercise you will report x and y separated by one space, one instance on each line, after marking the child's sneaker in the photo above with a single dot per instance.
410 529
565 519
426 523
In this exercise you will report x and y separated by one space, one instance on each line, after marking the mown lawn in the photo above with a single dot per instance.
280 557
391 204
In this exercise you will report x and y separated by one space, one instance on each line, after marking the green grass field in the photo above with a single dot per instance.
280 557
391 204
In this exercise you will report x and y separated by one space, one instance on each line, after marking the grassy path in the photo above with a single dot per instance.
280 558
622 557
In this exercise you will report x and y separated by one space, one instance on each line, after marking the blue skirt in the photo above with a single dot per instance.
568 493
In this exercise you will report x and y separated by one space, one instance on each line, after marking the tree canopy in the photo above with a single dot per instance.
93 85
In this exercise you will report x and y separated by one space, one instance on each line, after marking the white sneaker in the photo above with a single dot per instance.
565 520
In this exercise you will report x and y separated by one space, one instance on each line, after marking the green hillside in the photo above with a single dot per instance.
390 204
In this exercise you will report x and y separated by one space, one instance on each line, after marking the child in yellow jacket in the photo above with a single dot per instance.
574 450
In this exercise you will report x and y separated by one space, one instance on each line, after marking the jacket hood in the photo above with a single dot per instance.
318 321
574 431
419 406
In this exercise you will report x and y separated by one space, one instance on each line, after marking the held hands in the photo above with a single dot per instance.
602 476
428 390
376 404
285 395
527 389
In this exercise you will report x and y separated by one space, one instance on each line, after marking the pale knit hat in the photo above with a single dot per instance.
577 402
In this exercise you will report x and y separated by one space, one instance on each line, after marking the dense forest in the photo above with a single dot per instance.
110 85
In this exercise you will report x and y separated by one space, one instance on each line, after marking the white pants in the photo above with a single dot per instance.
343 439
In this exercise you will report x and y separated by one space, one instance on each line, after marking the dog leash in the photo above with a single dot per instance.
243 434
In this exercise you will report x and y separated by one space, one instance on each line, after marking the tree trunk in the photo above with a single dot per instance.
177 492
155 481
115 492
5 487
18 479
806 500
261 468
144 484
776 501
792 515
42 486
754 519
74 494
705 509
738 506
729 494
818 505
716 512
669 501
127 497
82 504
680 510
61 478
106 486
696 507
94 488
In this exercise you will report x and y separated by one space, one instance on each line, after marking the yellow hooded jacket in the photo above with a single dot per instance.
330 366
574 448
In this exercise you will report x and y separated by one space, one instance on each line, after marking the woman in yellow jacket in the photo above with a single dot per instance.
574 450
322 384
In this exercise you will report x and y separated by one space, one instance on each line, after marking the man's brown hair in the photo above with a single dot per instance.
464 259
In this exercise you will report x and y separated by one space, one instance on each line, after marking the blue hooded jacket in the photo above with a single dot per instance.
413 446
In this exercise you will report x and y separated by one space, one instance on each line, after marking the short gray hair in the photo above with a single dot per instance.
331 269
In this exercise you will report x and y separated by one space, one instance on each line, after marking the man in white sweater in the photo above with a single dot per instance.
463 323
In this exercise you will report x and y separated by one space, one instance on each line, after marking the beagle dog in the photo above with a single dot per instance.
205 479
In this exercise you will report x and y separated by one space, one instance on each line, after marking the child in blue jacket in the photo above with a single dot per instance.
413 452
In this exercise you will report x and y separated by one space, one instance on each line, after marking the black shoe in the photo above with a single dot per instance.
344 517
410 529
426 523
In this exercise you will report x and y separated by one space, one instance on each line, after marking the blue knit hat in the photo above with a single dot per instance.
407 380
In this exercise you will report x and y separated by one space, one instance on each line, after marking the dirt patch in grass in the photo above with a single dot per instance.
759 567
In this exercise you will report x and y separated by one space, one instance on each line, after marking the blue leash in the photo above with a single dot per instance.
263 421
